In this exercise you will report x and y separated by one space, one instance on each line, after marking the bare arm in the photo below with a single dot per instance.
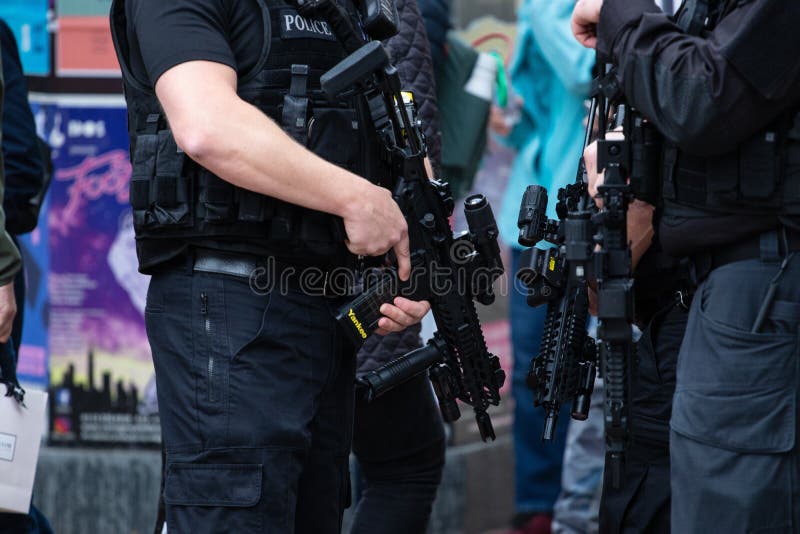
240 144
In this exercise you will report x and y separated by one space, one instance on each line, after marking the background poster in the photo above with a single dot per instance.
101 374
28 20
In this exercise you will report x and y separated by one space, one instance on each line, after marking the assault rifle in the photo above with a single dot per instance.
565 368
592 244
450 271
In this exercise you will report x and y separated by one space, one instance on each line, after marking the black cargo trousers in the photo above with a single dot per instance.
641 503
733 446
255 391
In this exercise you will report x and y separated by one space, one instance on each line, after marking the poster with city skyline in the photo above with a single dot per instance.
101 375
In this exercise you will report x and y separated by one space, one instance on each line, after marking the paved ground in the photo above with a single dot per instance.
115 492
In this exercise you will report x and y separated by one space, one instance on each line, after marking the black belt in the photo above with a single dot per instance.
747 249
268 274
238 265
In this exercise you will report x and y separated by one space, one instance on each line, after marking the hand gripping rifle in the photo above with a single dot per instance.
565 368
450 271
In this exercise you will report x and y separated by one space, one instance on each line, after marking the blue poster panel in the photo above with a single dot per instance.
28 20
101 375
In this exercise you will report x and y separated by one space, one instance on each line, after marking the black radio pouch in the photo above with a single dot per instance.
380 18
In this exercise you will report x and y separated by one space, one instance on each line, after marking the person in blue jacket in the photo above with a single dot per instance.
552 76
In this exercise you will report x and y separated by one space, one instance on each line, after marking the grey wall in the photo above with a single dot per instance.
465 11
91 491
86 491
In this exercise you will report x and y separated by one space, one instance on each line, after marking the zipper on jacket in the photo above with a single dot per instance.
209 344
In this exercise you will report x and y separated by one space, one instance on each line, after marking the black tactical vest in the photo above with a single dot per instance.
760 177
174 198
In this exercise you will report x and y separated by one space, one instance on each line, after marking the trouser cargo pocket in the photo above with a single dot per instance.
736 389
734 420
201 497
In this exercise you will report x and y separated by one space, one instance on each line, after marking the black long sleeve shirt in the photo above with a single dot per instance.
706 94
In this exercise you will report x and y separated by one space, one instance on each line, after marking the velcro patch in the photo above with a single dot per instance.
296 26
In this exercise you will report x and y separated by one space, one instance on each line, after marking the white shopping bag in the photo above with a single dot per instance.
21 431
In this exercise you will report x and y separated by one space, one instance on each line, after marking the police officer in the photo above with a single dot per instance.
725 94
242 166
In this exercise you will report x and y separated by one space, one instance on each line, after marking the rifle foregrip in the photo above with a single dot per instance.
399 371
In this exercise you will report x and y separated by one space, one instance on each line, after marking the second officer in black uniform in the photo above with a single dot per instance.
725 94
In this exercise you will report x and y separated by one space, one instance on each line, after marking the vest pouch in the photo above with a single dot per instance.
791 178
143 172
253 207
759 168
283 224
320 233
693 182
216 198
722 181
171 190
333 136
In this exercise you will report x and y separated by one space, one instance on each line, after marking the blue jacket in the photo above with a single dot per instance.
24 170
551 72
